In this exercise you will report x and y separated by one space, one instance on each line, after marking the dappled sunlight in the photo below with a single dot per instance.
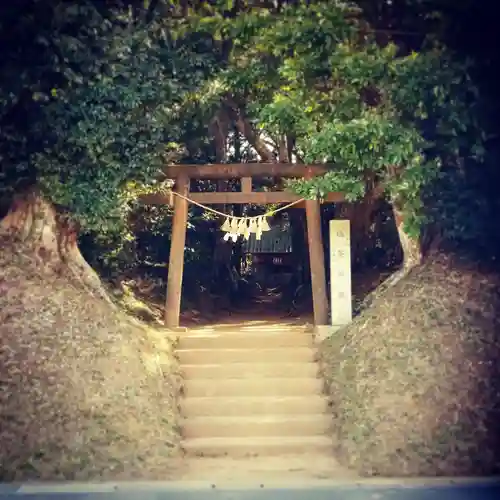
253 319
248 326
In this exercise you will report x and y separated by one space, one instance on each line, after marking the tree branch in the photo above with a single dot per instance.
245 128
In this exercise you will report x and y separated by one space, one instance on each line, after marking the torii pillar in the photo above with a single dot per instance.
176 257
316 260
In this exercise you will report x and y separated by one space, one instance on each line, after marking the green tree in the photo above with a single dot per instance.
92 103
316 81
102 111
463 203
116 86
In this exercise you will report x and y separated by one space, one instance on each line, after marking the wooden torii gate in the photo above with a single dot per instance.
244 171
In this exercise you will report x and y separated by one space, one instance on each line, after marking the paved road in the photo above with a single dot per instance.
484 490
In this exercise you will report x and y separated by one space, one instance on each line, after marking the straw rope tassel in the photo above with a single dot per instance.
258 234
246 231
253 225
234 226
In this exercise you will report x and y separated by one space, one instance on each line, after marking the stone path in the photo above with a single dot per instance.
254 407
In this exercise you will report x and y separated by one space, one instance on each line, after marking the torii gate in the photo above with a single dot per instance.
244 171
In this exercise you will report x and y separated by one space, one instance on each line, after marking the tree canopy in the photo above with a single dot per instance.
315 76
102 113
117 91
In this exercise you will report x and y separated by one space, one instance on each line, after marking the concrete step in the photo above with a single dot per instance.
252 446
247 406
245 340
219 356
257 426
244 370
284 386
231 329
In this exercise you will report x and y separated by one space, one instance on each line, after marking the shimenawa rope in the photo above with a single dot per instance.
235 226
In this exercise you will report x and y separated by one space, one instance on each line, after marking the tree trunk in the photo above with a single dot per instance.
245 128
411 247
222 251
360 215
35 224
412 257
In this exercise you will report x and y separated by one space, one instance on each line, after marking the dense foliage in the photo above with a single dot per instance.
101 110
314 74
95 99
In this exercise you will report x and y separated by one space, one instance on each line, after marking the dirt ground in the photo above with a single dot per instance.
86 392
89 393
414 379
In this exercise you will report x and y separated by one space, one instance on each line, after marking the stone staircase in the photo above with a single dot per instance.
252 392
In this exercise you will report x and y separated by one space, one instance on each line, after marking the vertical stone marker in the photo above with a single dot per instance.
340 273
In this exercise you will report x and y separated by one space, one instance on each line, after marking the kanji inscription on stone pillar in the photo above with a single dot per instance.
340 272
